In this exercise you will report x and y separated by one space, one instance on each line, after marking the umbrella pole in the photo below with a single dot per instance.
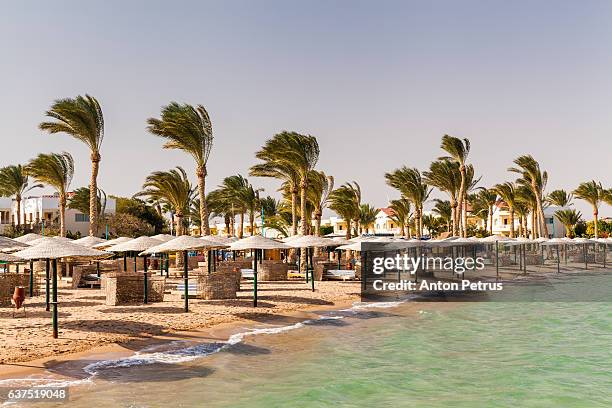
586 266
166 259
338 255
135 263
312 270
31 278
497 260
98 268
124 262
186 279
47 278
161 264
255 281
146 281
54 302
558 261
209 263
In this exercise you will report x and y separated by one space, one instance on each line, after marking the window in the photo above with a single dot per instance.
505 221
339 227
78 217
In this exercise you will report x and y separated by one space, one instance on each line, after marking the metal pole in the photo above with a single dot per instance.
307 266
255 281
47 278
54 302
98 268
124 262
31 278
558 261
586 266
209 263
161 264
186 279
497 260
146 281
338 255
312 270
107 231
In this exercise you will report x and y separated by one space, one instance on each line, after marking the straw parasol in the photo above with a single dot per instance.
355 246
307 242
495 238
256 242
41 239
184 244
136 246
9 258
111 242
8 244
89 241
164 237
53 249
291 238
28 237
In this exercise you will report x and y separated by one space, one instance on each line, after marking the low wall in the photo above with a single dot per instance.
128 288
272 271
218 285
8 282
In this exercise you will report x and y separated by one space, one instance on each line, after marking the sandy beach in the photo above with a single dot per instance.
87 323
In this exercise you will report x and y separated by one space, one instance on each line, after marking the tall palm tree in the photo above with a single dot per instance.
367 216
526 205
560 198
172 188
346 202
275 165
238 194
536 179
433 224
56 170
320 187
445 175
607 196
188 128
569 219
81 118
401 214
593 193
489 198
458 150
479 208
14 181
411 185
507 192
275 216
444 210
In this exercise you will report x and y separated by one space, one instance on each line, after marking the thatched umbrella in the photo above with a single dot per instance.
584 242
136 246
496 239
53 249
28 237
556 242
9 245
256 242
8 258
111 242
163 263
184 244
307 242
89 241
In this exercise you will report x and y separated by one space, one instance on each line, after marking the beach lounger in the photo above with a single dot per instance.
247 273
340 274
193 290
91 279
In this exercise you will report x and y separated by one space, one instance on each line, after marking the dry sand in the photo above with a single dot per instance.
85 322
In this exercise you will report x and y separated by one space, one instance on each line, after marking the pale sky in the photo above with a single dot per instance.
378 83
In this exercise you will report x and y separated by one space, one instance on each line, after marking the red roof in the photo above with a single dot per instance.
388 211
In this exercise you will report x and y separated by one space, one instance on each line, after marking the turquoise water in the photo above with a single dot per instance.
510 354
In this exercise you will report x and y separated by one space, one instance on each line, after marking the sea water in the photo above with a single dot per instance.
552 353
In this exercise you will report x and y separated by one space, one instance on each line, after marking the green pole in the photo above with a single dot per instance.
209 263
167 262
186 279
135 263
124 262
307 265
558 261
605 249
31 278
54 302
497 260
47 278
161 264
255 280
146 281
586 266
312 270
339 254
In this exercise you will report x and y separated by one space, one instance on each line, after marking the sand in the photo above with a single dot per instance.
85 322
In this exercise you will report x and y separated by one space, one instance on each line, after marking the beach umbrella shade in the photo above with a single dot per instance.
8 244
256 242
307 242
136 246
28 237
164 237
111 242
8 258
89 241
53 249
291 238
184 244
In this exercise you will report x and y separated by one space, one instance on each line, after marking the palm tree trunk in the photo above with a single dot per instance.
491 220
93 193
294 193
201 174
179 224
453 203
540 209
317 223
511 222
595 217
461 203
18 202
62 205
252 222
227 224
533 224
241 226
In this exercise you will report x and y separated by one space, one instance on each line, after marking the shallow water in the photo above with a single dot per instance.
493 354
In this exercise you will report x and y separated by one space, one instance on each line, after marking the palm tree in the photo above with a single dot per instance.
276 166
444 210
346 202
433 224
507 192
81 118
237 194
14 181
275 216
526 205
171 188
479 208
607 196
593 193
533 177
488 198
56 170
458 151
188 128
319 187
560 198
569 219
367 217
411 185
401 214
445 175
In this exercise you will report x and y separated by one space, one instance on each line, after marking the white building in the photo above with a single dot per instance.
502 224
45 209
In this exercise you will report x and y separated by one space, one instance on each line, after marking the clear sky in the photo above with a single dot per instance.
377 82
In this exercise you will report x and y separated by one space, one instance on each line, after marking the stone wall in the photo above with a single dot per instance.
128 288
218 285
8 282
272 271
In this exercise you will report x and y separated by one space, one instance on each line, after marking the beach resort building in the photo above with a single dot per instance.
502 223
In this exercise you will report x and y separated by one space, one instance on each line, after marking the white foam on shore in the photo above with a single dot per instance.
149 355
